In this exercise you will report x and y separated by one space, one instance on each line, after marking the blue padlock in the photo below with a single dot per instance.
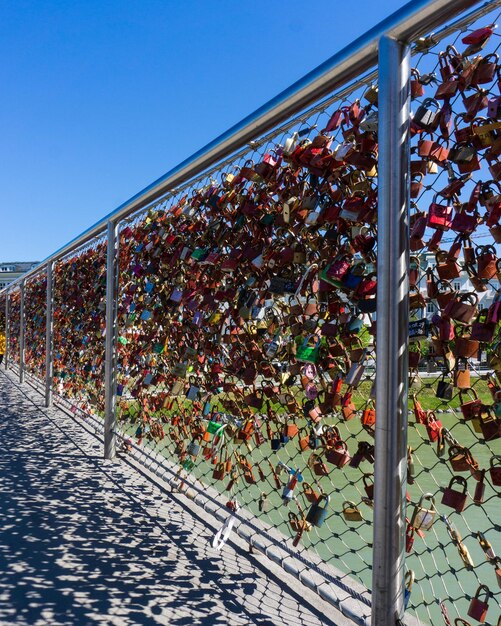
317 513
193 448
355 325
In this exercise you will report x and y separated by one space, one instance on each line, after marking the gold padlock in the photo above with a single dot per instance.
423 518
371 94
351 512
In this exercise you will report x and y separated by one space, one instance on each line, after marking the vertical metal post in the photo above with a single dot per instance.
392 334
7 330
22 364
110 372
49 338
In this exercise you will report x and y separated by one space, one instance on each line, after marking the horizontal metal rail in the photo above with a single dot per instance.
413 20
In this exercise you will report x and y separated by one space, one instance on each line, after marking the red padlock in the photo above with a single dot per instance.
495 471
486 262
440 215
338 454
478 608
454 498
368 485
470 409
433 426
409 538
478 496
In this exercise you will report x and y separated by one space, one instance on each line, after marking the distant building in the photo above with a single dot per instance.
10 271
461 284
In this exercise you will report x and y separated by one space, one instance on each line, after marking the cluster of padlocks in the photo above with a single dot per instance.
246 329
35 324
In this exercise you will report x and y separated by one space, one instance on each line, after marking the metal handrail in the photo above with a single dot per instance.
414 19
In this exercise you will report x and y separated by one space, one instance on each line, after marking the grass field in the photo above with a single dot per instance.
439 571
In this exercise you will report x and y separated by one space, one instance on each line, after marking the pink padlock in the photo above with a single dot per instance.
311 391
309 370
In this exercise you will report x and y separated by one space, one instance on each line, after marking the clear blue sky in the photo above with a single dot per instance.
101 97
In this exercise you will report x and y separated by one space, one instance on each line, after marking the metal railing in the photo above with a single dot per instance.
190 308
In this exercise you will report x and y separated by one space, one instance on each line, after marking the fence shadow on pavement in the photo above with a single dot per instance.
86 543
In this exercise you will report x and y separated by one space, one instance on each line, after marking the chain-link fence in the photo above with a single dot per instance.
13 325
35 324
454 428
246 328
79 324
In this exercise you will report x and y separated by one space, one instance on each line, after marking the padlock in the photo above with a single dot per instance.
454 498
295 522
478 496
308 351
409 581
351 512
409 538
494 107
188 464
288 490
444 389
348 408
354 375
410 466
213 427
317 513
263 503
461 459
497 569
427 115
319 467
472 407
259 438
309 493
338 454
369 416
193 448
314 440
423 518
219 471
368 485
495 470
478 608
416 84
433 426
276 442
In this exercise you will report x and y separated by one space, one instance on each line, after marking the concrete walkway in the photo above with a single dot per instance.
90 542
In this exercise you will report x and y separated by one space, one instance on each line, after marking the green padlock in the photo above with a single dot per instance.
213 427
307 352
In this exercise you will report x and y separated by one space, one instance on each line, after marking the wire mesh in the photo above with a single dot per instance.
454 434
14 325
35 316
79 325
3 298
224 323
246 326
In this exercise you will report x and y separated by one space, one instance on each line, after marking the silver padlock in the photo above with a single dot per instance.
370 122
